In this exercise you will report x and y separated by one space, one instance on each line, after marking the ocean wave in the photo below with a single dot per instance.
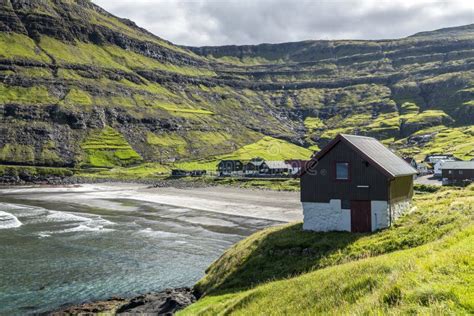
8 220
159 233
58 216
68 222
85 228
76 229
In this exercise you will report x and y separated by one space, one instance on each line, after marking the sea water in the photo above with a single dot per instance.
54 252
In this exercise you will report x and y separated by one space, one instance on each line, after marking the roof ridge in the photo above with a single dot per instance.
372 150
360 136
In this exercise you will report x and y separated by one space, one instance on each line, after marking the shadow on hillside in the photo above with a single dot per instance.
281 254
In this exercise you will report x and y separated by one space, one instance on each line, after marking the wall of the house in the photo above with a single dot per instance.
332 217
381 211
326 216
401 188
456 177
380 215
319 185
398 208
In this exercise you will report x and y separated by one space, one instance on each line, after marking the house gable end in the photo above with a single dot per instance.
319 184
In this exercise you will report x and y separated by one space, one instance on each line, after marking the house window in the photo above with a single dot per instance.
342 171
346 204
460 171
450 171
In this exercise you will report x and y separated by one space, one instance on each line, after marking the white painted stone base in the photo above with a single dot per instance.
399 208
381 212
380 215
326 216
330 216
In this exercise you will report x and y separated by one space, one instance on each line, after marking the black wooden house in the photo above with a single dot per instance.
355 184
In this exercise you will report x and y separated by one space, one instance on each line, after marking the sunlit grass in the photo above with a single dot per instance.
422 264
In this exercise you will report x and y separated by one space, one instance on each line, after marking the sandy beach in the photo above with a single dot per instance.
262 204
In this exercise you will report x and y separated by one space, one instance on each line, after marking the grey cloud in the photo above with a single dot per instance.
215 22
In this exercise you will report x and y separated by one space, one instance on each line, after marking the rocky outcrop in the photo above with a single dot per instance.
163 303
166 302
71 22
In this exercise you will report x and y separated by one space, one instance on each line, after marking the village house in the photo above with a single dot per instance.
423 168
254 167
230 168
412 162
432 159
295 165
262 168
179 173
277 168
459 173
355 184
438 166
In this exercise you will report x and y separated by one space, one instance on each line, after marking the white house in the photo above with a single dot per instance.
438 166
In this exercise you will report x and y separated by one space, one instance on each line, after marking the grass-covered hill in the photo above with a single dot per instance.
81 87
423 264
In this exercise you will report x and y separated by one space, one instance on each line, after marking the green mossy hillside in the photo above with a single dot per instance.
110 56
79 67
22 154
389 125
267 147
14 171
270 148
458 141
26 154
22 95
422 264
20 46
107 148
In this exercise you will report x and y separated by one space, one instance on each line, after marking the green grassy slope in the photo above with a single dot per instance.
432 279
268 148
422 264
108 148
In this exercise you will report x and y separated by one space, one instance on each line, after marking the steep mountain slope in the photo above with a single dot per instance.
80 87
391 89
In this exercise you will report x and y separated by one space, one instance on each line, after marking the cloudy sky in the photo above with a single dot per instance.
221 22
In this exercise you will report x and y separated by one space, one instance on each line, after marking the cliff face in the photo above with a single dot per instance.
80 87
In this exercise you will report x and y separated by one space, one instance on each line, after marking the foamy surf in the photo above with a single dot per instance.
76 229
159 233
15 215
8 220
81 223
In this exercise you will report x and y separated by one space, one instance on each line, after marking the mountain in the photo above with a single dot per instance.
81 87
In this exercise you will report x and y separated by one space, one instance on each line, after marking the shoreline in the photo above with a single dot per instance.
278 206
252 203
166 302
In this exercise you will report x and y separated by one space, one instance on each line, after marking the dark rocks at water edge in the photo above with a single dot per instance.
7 180
166 302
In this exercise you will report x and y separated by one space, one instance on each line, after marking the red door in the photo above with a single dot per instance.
360 217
